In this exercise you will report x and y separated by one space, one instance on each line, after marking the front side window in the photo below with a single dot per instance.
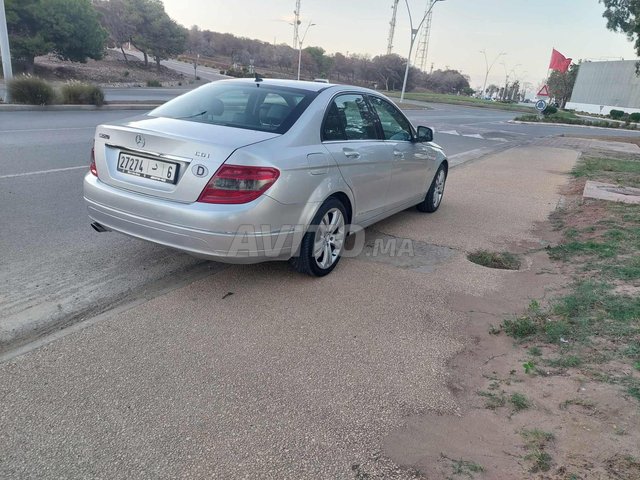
349 118
394 125
265 108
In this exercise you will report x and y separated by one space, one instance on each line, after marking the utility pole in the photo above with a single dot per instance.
296 24
489 67
4 48
300 46
423 44
392 26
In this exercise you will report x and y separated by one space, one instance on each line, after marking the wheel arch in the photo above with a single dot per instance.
346 201
445 164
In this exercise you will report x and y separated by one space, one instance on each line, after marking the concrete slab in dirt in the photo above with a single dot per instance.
611 192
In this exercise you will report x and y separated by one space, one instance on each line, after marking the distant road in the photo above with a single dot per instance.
206 73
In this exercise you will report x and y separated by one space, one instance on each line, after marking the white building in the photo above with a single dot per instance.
604 86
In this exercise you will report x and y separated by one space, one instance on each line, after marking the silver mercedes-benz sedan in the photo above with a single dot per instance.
245 171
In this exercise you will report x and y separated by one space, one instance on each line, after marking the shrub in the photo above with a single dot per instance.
550 110
635 117
76 93
616 114
31 90
153 83
241 74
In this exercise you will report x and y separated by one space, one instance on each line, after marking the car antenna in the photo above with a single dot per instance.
258 80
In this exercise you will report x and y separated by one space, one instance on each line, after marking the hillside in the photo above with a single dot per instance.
112 70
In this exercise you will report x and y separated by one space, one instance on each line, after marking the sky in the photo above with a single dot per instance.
526 30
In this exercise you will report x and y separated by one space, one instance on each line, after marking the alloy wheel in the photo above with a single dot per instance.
329 238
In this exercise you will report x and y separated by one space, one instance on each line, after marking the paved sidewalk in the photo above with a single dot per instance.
257 372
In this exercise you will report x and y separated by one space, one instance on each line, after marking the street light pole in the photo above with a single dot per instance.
414 34
300 42
4 48
489 67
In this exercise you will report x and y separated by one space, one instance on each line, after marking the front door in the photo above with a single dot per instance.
413 163
349 133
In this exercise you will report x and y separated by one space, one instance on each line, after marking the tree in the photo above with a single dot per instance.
389 69
624 16
447 81
561 84
114 17
167 38
321 64
196 43
492 89
514 91
154 32
68 28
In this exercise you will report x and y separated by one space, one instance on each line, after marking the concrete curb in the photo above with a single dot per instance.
552 124
66 108
396 99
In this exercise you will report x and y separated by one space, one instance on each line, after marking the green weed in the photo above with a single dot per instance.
535 442
493 401
499 260
569 361
519 402
535 352
529 367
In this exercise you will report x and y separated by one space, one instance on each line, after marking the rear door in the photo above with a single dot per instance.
349 132
413 163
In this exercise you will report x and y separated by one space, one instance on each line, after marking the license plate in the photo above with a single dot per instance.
152 169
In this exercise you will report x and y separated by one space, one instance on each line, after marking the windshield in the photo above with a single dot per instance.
253 106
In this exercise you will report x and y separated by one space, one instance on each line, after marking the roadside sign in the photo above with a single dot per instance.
541 105
544 91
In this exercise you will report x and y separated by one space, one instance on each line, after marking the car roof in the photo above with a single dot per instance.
299 84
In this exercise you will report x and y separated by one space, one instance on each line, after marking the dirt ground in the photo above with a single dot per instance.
591 429
112 70
250 373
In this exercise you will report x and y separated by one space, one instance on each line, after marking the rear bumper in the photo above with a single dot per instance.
258 231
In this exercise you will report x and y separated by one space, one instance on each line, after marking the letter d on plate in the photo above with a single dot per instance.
199 170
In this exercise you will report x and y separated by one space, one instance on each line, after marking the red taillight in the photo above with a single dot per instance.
92 166
238 184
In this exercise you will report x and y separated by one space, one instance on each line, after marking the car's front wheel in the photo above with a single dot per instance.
322 245
434 196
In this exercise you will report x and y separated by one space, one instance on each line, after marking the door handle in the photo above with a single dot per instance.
350 153
399 154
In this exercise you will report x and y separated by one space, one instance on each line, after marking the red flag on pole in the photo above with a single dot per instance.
559 62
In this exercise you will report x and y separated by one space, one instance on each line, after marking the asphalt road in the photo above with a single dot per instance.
54 267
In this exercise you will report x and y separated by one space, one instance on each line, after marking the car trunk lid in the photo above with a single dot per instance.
168 158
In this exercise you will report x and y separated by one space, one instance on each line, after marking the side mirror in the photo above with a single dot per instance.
425 134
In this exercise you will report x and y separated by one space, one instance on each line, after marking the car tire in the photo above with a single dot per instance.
322 245
432 201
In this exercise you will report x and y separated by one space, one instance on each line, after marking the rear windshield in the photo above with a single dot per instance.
253 106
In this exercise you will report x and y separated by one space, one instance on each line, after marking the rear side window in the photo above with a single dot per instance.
349 118
265 108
